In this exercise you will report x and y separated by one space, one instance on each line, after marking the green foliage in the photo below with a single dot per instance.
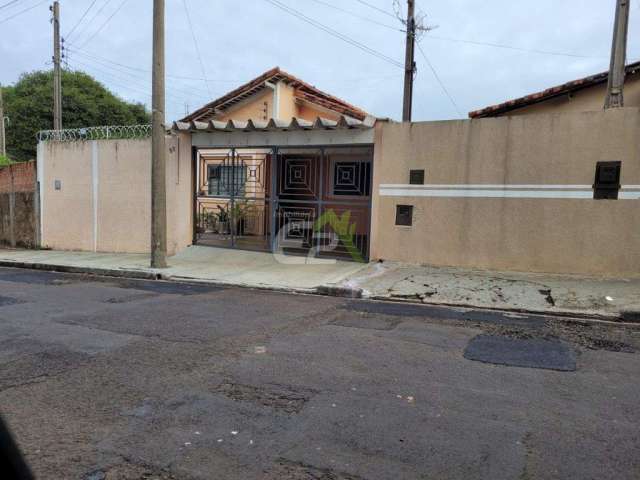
85 103
4 161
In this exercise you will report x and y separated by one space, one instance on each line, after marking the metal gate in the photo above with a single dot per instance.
234 198
301 201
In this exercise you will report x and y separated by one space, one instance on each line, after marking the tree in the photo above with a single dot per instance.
85 103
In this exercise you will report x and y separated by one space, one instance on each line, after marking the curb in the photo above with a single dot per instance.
628 317
604 317
106 272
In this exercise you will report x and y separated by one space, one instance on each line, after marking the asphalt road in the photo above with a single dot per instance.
114 379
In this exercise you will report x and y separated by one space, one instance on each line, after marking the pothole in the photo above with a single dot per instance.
287 399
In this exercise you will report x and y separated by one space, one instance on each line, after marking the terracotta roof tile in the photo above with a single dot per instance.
549 93
303 90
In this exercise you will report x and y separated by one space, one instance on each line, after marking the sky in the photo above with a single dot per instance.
221 44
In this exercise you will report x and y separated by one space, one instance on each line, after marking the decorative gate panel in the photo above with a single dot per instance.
234 198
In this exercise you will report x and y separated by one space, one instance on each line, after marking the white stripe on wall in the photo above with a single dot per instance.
628 192
95 179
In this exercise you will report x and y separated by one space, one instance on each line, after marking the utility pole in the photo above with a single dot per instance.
158 153
3 141
617 69
57 78
410 64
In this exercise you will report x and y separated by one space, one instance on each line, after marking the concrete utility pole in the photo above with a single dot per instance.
410 64
615 87
57 77
3 141
158 154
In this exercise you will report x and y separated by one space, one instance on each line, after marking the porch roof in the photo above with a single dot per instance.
275 125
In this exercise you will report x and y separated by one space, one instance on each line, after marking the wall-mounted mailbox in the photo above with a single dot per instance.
404 215
416 177
607 182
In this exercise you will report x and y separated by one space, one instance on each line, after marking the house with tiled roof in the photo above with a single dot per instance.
582 95
276 95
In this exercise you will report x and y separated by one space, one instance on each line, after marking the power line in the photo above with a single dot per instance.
81 19
389 14
435 74
141 77
335 33
95 15
366 19
22 11
128 83
178 77
104 24
8 4
195 44
510 47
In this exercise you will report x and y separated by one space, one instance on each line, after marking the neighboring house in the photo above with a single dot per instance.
583 95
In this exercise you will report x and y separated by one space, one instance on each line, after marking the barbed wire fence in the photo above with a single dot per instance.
112 132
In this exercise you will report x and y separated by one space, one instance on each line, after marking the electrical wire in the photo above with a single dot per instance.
510 47
92 19
104 24
8 4
335 33
178 77
22 11
195 44
437 77
353 14
145 78
128 83
81 19
389 14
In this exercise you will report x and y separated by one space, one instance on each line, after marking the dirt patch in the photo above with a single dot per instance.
587 335
288 470
283 398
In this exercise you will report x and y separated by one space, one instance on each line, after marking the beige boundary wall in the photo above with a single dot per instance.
510 193
103 203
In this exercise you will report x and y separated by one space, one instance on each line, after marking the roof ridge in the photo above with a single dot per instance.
245 89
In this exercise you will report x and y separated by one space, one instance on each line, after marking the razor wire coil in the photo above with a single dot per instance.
116 132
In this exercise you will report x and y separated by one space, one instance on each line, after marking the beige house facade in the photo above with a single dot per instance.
553 192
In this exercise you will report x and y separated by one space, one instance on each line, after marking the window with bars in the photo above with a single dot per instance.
227 180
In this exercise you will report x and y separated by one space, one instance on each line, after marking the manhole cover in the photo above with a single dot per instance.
529 353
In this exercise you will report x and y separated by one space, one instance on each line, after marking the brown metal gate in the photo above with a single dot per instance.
318 204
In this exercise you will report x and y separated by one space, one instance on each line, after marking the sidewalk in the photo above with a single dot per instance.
536 293
197 264
530 292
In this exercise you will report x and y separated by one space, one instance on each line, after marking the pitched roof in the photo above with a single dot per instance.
549 93
303 91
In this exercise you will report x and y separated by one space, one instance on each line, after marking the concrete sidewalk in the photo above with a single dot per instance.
536 293
529 292
197 264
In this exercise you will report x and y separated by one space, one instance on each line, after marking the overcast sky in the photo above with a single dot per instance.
240 39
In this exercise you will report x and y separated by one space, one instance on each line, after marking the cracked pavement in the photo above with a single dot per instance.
104 379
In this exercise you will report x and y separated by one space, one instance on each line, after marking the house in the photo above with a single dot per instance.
279 95
236 183
278 166
582 95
